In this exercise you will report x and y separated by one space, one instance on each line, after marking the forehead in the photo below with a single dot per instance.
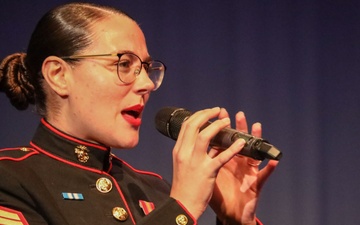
117 33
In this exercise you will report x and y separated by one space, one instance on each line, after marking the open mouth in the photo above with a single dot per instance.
132 113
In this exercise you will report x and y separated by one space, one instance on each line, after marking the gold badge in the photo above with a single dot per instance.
120 213
104 185
181 220
81 152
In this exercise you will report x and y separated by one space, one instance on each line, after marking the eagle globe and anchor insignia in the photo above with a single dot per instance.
82 153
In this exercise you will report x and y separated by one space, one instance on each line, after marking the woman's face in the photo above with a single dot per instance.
100 108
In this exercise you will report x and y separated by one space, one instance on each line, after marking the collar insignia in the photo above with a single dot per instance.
81 152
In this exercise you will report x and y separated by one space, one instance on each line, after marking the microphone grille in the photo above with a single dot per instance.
168 121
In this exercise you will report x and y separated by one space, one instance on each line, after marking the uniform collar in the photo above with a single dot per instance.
72 150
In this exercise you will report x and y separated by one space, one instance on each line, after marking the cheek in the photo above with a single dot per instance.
98 91
94 83
100 96
102 101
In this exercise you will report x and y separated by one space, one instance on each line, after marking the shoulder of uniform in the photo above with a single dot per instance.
11 216
17 154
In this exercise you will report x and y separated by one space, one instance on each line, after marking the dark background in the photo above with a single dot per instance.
292 65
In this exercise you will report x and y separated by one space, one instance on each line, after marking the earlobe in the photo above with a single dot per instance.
55 71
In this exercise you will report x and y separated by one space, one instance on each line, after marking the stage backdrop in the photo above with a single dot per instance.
292 65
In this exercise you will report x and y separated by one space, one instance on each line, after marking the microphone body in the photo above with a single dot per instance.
168 121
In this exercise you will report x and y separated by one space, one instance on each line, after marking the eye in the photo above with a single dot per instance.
137 71
124 63
125 66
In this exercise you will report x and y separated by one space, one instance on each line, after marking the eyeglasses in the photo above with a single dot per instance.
129 67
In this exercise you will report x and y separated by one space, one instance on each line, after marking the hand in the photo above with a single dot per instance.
239 182
195 171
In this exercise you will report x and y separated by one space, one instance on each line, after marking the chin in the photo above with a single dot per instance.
124 139
128 144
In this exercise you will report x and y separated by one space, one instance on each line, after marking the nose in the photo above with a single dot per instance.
143 83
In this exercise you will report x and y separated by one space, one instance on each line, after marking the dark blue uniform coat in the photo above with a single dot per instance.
61 180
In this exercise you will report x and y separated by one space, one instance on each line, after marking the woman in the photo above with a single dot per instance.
88 71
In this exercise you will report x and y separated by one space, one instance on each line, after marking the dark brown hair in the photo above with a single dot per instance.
62 31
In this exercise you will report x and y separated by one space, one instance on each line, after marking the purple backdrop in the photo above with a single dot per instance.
293 65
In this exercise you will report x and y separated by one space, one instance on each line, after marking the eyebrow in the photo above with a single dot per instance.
147 59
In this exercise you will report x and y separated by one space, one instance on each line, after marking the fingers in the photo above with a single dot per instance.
205 136
241 124
265 173
256 130
223 113
191 139
229 153
192 125
253 162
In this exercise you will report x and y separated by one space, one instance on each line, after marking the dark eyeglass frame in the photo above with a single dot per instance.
147 66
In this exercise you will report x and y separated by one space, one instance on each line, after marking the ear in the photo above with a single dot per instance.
56 72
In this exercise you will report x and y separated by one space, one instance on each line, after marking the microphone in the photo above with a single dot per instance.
168 121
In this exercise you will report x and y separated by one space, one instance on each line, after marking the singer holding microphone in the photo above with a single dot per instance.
89 74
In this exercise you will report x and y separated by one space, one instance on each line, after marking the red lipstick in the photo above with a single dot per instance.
133 115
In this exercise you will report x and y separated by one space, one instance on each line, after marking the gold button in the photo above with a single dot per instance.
120 213
181 220
104 185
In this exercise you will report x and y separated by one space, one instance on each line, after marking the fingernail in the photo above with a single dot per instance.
241 142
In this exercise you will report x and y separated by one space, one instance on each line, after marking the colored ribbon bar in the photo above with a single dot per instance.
72 196
147 207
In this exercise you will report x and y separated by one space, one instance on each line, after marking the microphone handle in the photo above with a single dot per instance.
169 121
256 148
226 137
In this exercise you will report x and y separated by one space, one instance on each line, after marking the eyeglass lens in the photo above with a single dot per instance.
129 66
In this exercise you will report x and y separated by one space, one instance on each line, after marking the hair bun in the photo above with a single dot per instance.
15 82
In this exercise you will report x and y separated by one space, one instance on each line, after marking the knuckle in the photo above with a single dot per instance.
203 137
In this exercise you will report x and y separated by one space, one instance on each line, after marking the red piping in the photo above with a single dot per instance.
53 129
138 171
65 161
